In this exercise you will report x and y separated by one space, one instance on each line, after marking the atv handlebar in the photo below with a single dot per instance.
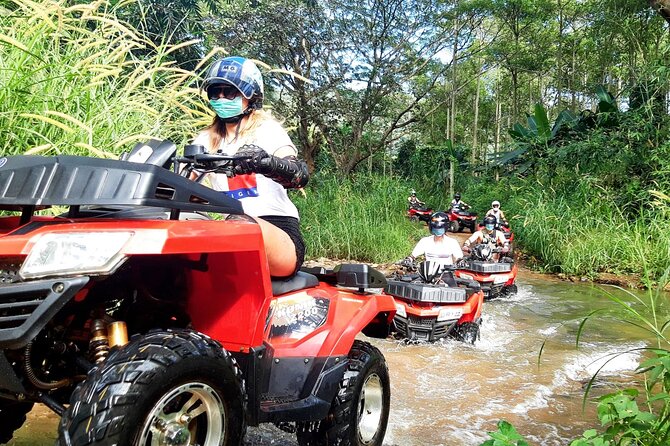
203 163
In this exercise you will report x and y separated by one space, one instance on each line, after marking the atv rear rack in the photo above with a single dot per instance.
422 292
30 183
349 275
487 267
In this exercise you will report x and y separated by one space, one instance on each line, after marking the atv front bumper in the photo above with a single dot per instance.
495 291
423 328
26 307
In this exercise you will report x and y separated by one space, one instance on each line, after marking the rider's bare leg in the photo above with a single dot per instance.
279 249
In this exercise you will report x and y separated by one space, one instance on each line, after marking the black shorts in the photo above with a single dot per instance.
291 226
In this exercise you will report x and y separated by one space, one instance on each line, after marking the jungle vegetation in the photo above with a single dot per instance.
557 108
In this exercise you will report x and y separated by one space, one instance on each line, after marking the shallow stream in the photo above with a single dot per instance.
451 393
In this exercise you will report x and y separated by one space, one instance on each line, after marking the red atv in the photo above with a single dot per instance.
419 213
142 321
460 218
496 276
432 304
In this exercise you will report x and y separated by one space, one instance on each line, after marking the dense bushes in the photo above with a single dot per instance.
577 228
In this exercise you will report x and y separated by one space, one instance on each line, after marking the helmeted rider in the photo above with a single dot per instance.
457 203
497 213
414 201
437 247
488 235
234 87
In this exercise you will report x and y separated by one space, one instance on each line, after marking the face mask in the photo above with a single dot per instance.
438 231
227 108
489 227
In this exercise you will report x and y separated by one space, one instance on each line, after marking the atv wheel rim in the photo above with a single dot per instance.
187 415
370 408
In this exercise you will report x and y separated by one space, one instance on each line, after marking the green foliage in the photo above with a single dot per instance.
362 218
631 417
170 23
506 435
72 84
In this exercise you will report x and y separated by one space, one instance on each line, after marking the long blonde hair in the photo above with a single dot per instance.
217 130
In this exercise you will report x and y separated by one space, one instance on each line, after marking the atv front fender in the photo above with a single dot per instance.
349 313
372 306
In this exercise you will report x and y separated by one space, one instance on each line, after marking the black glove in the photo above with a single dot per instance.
290 172
251 158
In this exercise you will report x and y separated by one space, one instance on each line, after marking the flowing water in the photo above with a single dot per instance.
451 394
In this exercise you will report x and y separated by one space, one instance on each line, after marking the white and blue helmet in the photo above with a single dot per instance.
239 72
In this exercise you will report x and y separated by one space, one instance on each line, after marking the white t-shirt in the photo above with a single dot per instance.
258 194
445 252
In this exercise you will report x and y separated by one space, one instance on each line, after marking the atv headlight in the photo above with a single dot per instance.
447 314
400 310
466 276
69 253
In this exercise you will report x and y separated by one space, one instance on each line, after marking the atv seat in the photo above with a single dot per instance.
299 281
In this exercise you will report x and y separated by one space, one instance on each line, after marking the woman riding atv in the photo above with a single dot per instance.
414 201
487 235
234 87
457 203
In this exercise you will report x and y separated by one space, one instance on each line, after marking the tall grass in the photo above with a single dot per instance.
75 79
577 229
361 218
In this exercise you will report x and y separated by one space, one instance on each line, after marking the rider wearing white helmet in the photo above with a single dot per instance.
497 213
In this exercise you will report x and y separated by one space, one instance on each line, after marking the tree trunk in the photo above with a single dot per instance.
475 124
515 93
573 86
662 7
454 79
496 144
559 59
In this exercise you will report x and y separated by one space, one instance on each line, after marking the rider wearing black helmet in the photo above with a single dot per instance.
457 203
437 247
234 88
488 234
